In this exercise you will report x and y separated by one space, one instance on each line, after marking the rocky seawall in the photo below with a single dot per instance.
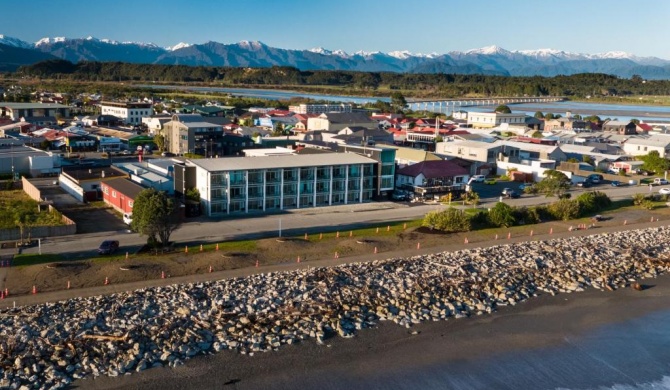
50 345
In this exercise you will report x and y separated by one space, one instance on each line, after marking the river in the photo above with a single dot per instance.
613 111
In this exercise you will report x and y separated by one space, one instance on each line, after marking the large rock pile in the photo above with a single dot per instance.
50 345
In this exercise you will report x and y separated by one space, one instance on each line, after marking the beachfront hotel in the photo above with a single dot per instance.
237 185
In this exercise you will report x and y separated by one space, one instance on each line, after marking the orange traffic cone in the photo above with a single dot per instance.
34 289
2 295
375 249
377 229
351 233
531 233
404 225
418 245
211 269
337 256
551 230
68 284
298 260
496 236
509 235
6 292
186 249
162 274
388 228
200 247
126 255
106 280
320 236
337 235
256 263
466 240
625 221
217 246
305 236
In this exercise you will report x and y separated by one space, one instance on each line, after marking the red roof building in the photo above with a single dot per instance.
120 193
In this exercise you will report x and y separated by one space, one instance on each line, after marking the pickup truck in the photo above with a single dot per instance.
659 181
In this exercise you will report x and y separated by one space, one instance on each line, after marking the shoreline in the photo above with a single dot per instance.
391 351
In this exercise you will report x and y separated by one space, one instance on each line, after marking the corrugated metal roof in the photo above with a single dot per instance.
19 106
292 161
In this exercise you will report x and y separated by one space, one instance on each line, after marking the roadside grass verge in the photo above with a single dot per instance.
27 259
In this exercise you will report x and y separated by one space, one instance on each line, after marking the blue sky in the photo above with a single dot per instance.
639 27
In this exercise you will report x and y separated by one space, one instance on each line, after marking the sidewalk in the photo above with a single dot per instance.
54 296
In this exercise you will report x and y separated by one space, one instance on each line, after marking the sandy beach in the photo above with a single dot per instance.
389 356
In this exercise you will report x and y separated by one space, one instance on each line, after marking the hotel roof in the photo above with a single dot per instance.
291 161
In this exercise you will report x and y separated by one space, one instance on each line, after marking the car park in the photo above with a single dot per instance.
664 191
108 247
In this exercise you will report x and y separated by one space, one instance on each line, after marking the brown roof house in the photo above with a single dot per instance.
432 178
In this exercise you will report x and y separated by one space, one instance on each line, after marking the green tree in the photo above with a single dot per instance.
159 140
555 183
539 115
155 216
549 116
635 120
537 134
654 162
587 159
565 209
398 101
503 109
502 215
193 194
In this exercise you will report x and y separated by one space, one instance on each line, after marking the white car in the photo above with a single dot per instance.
478 178
127 218
664 191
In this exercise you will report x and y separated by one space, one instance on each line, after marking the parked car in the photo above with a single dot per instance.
664 191
478 178
108 247
400 195
659 181
643 172
126 152
127 218
510 193
595 178
616 183
167 154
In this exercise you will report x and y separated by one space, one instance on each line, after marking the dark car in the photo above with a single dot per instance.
167 154
585 184
514 195
510 193
108 247
617 183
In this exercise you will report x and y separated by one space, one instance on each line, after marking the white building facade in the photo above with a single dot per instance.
130 112
319 108
485 120
264 184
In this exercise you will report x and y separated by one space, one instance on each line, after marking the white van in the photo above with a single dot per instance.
127 218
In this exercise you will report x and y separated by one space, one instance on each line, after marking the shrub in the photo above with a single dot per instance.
480 220
501 215
591 202
638 199
525 215
543 213
450 220
565 209
471 198
648 204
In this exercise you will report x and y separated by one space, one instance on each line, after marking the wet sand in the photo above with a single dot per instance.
375 357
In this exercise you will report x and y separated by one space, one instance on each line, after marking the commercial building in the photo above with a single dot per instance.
487 120
319 108
120 193
130 112
261 184
190 133
16 111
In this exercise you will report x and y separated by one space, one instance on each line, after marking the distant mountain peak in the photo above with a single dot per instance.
47 40
11 41
180 45
251 45
488 50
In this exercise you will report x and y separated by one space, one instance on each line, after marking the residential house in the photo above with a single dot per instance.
432 178
565 124
120 193
620 127
339 120
155 122
642 146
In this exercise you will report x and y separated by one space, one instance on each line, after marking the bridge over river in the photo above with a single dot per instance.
447 106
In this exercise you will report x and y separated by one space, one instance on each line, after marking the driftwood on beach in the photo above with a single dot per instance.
53 344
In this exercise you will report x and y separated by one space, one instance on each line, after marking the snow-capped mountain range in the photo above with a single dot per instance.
492 60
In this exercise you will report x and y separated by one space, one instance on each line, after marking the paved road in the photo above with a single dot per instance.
297 222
